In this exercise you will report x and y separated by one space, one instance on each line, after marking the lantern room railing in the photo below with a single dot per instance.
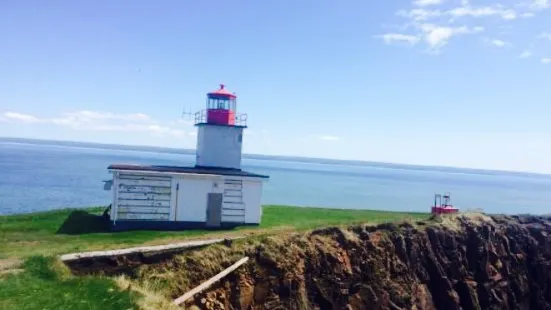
239 119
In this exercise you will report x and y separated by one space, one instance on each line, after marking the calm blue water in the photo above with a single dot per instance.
36 177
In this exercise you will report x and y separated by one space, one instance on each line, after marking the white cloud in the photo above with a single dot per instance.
467 10
419 14
545 35
438 36
540 4
330 138
525 54
25 118
546 61
427 2
527 15
498 43
389 38
101 121
85 115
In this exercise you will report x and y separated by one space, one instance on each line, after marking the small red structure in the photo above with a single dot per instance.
442 204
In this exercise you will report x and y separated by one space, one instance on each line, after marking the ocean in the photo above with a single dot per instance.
46 175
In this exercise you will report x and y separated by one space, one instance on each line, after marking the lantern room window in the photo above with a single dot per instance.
221 104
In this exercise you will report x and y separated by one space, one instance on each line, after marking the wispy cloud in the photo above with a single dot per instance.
100 121
527 15
329 138
525 54
436 22
540 4
390 38
545 36
498 43
463 11
20 117
438 36
546 61
419 15
427 2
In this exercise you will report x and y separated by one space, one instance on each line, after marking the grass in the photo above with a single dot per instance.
45 283
43 287
69 230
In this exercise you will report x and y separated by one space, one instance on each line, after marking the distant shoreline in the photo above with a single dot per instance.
183 151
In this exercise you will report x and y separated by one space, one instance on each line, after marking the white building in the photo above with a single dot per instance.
213 193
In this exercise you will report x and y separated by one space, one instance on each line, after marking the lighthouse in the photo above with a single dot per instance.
220 131
213 193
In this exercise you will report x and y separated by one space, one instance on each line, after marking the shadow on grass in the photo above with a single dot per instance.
81 222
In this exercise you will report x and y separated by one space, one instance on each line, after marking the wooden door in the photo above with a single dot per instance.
214 209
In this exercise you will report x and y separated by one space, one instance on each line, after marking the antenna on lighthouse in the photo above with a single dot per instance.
186 114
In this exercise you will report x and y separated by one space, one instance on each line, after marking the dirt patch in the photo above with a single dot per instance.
10 266
9 263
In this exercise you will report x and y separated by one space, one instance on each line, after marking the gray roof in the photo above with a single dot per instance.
195 170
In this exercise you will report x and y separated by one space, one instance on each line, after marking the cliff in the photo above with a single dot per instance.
460 262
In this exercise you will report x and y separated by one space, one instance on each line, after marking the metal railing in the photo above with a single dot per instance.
201 117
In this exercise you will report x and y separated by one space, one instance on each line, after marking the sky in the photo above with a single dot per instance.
431 82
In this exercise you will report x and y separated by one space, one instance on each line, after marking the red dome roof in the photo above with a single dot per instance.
222 93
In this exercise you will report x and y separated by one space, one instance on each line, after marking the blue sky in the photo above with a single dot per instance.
437 82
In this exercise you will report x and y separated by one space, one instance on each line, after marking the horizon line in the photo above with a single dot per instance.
295 158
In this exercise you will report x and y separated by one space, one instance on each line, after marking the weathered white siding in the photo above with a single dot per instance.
219 146
192 196
241 198
253 201
142 196
183 197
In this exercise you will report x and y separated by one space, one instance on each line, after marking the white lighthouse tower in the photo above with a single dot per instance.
220 132
215 192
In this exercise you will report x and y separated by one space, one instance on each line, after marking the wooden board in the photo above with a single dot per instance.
144 249
144 210
145 183
210 281
233 212
233 205
143 177
144 196
144 189
144 203
143 216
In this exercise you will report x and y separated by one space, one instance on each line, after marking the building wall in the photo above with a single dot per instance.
219 146
253 203
183 197
193 192
142 197
192 196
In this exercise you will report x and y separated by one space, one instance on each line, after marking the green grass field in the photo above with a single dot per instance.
43 283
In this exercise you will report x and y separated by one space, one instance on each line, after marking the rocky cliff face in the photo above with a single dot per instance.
464 262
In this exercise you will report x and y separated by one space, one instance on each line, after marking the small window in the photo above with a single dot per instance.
240 138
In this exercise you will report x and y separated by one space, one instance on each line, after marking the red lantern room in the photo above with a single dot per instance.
221 110
221 106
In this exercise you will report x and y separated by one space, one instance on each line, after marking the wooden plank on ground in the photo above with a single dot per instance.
210 282
144 249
